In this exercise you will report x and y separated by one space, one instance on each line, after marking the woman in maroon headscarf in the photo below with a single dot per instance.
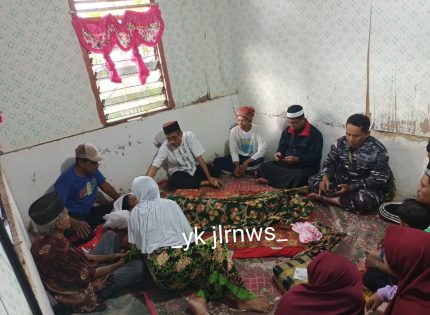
407 253
334 288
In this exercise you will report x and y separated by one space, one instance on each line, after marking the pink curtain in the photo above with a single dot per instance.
136 28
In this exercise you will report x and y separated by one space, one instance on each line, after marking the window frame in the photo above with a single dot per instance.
93 82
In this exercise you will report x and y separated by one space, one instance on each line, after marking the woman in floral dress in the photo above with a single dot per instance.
158 228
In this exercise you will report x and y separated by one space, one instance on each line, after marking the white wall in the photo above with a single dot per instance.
128 149
47 100
273 53
314 53
308 52
46 93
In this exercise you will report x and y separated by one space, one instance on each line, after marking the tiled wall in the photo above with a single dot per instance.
45 93
315 53
198 49
307 52
273 52
400 66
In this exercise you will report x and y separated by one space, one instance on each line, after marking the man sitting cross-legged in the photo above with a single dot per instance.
356 171
184 153
298 155
388 210
246 143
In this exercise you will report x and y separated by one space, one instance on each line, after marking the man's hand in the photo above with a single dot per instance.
324 184
290 159
373 302
237 170
81 228
277 156
381 243
118 256
215 182
344 188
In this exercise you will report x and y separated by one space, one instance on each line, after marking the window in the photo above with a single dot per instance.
118 102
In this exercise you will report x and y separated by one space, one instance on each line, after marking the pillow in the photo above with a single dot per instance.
117 219
284 273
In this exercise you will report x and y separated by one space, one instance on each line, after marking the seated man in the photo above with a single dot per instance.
183 151
388 210
298 155
356 170
412 214
79 280
78 188
247 145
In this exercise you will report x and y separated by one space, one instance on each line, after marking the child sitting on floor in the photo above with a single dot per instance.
406 256
412 214
118 218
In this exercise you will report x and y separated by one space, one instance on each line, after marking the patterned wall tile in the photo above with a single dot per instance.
45 89
274 53
307 52
45 92
400 66
197 48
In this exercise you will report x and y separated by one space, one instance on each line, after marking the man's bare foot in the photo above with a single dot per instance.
198 305
324 199
316 197
262 181
260 304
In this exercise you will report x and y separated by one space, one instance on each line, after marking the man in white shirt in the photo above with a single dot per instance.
247 145
184 153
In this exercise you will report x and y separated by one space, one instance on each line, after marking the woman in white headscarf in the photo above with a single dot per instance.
155 222
157 227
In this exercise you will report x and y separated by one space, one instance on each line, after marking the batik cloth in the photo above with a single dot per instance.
259 210
68 274
209 270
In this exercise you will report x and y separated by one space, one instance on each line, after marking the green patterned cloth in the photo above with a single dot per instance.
328 241
259 210
210 271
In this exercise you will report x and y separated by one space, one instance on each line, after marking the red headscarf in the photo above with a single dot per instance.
334 288
246 112
407 252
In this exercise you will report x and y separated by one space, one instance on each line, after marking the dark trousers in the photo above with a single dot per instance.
226 163
362 201
94 218
375 279
282 176
126 276
184 180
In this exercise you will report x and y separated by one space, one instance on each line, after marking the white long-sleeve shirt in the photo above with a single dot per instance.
250 143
